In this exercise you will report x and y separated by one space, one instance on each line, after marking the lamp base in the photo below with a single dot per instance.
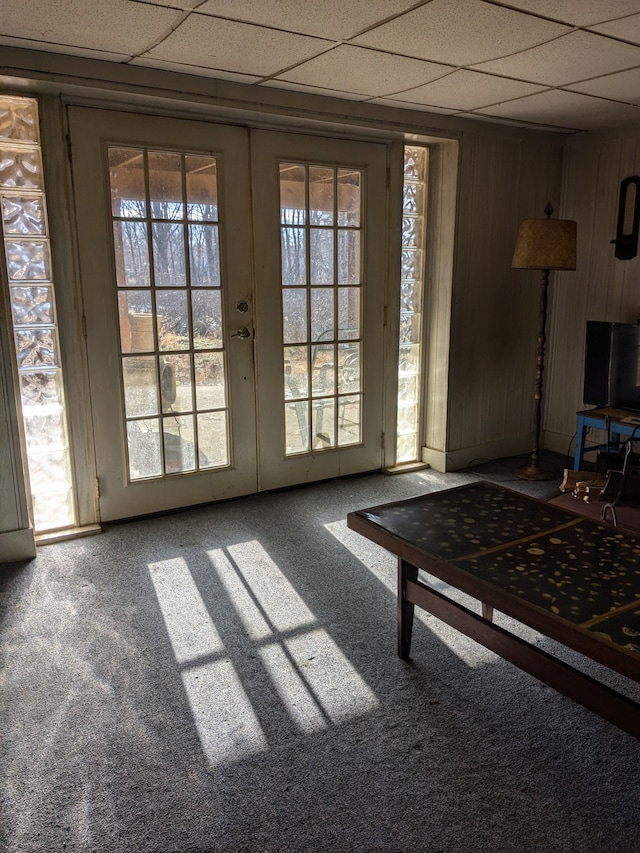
533 472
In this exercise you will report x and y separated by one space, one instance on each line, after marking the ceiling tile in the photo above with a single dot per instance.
565 109
460 32
579 12
624 86
364 71
624 28
332 19
217 43
467 90
118 26
578 56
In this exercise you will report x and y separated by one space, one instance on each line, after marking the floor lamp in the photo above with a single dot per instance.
543 244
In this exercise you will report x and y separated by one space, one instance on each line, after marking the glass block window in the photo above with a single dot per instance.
321 226
27 251
414 195
170 290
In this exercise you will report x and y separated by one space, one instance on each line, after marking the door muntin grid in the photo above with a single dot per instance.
166 236
321 243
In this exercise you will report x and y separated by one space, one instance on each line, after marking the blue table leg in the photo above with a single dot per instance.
581 433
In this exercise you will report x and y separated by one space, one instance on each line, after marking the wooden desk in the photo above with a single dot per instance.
603 418
569 578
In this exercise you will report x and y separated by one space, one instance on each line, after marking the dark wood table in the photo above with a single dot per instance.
572 579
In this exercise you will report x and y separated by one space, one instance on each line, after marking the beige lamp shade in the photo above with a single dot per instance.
546 244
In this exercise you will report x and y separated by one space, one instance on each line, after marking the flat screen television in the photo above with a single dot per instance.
612 365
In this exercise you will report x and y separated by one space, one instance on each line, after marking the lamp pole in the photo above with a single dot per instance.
545 245
533 471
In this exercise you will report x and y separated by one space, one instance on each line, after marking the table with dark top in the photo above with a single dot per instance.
569 578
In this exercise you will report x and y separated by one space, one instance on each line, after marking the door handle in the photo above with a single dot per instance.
242 332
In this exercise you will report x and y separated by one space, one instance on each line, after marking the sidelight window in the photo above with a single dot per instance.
414 196
31 297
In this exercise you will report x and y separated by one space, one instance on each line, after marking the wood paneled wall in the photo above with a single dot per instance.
602 288
495 309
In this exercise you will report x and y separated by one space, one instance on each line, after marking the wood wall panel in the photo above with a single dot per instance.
495 308
603 287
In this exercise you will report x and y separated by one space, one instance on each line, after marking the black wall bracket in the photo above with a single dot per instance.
626 241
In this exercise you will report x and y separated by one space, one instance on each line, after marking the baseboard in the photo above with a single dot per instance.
17 545
454 460
558 443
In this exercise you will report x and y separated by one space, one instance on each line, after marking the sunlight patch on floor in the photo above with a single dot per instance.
315 682
263 598
189 625
227 725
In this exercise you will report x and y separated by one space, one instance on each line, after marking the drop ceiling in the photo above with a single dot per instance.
564 64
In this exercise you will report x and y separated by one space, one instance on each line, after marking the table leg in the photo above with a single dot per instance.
406 572
581 432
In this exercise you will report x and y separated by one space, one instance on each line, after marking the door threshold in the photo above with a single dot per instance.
63 535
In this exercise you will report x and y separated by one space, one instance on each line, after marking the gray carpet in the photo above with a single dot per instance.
225 679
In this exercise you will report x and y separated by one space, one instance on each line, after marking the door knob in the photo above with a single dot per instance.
243 332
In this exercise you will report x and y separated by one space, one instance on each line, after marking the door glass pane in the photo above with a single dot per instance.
172 319
178 321
176 384
139 378
294 315
321 195
321 256
320 210
136 321
131 254
35 333
324 423
179 448
213 440
126 180
168 255
293 204
348 313
348 257
204 255
349 197
143 442
210 381
165 185
294 255
322 313
202 188
206 307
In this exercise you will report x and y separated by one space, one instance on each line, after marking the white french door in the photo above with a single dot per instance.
192 277
319 210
